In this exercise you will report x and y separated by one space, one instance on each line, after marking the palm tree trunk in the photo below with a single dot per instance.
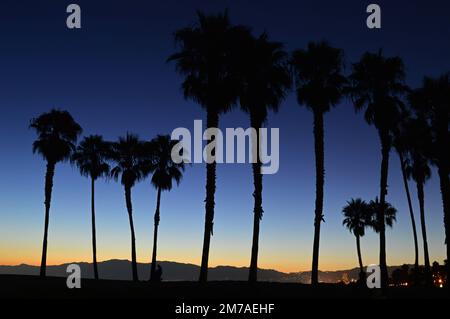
48 198
94 241
421 197
385 149
320 178
133 238
257 209
211 122
358 249
445 193
155 236
411 213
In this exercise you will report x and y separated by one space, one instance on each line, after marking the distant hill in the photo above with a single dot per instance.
172 271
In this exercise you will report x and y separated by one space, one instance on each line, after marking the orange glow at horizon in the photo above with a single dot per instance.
33 259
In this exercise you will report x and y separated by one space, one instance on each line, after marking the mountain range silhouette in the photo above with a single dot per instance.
116 269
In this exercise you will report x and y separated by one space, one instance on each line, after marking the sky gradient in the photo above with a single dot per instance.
112 76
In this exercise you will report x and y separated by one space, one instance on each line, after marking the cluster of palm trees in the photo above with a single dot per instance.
225 65
359 215
417 128
129 160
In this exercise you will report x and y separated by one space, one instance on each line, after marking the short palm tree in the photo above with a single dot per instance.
91 159
265 83
319 84
131 166
165 170
390 214
432 102
356 219
57 135
207 60
377 85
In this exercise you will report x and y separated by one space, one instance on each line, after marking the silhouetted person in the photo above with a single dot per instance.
158 274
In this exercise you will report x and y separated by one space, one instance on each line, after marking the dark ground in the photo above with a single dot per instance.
13 286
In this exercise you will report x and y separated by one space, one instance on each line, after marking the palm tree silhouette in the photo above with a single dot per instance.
206 59
390 215
57 134
376 86
356 218
265 81
165 170
131 166
91 159
432 102
401 145
319 84
419 170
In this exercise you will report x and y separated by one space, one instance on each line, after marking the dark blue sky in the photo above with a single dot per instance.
112 76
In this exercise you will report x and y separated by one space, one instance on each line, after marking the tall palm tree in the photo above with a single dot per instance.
432 101
91 159
401 144
356 219
57 134
265 81
165 170
131 166
319 84
377 84
207 60
418 168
